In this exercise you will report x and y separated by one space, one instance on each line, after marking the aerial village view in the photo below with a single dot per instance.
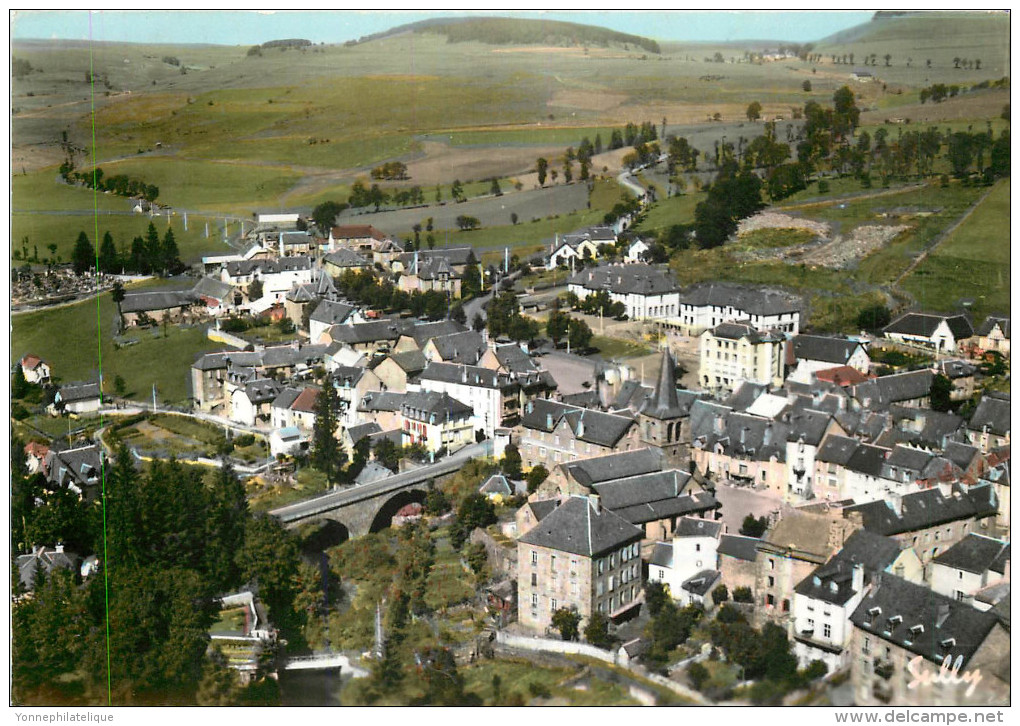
510 359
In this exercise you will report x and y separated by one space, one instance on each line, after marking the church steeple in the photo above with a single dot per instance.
664 403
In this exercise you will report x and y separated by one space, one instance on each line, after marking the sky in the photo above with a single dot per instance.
251 27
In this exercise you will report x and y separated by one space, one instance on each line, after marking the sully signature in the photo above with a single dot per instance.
948 673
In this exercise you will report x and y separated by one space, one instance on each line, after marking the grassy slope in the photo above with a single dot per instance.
67 339
973 262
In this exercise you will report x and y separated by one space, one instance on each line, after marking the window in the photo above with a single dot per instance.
612 560
552 605
602 566
534 579
960 594
697 548
786 606
552 564
574 590
826 630
598 587
772 581
866 646
770 600
612 603
662 574
811 624
612 583
959 574
534 600
772 564
534 557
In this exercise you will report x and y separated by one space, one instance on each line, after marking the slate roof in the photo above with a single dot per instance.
542 507
411 362
977 554
357 433
423 332
924 324
905 458
664 404
635 279
887 390
923 427
596 470
466 376
662 555
211 287
347 376
927 508
990 322
749 300
331 313
745 395
893 609
736 331
140 302
498 484
241 268
961 454
44 559
356 231
837 449
803 532
824 348
72 393
953 369
583 399
373 471
382 401
514 358
286 356
79 466
345 258
262 390
286 397
694 527
743 435
653 496
466 347
301 293
701 582
993 412
807 424
370 332
578 528
604 429
738 547
453 256
419 406
873 551
433 268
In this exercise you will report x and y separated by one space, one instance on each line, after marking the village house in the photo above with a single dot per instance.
78 469
433 274
277 277
707 305
741 447
585 244
466 348
415 335
993 334
288 441
790 550
737 557
941 333
351 384
294 408
646 292
997 475
457 259
904 633
359 237
436 421
210 373
36 370
691 554
138 308
807 429
815 353
636 251
78 398
327 314
343 260
383 408
968 567
824 600
548 436
494 397
906 389
215 298
580 556
301 297
735 352
398 370
961 374
580 476
35 455
43 560
988 427
931 521
251 400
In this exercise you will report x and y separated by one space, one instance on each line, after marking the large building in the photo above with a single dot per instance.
579 556
647 292
942 333
705 306
735 352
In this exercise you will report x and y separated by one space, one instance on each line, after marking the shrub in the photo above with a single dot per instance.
720 594
743 594
244 440
698 675
823 187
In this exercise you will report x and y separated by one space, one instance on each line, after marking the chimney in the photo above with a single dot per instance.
60 547
596 503
858 578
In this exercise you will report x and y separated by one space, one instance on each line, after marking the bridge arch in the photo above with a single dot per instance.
394 504
321 534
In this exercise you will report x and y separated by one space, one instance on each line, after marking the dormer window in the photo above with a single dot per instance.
916 630
947 643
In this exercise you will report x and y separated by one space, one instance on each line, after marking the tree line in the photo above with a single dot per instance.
120 184
147 255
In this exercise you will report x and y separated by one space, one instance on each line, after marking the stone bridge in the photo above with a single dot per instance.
359 510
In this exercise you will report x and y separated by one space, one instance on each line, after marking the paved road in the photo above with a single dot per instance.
335 500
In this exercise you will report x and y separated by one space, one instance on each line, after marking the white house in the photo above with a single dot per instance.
80 398
820 352
294 408
943 333
636 249
647 292
824 601
705 306
487 392
251 403
287 441
969 566
277 277
691 555
36 370
585 243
